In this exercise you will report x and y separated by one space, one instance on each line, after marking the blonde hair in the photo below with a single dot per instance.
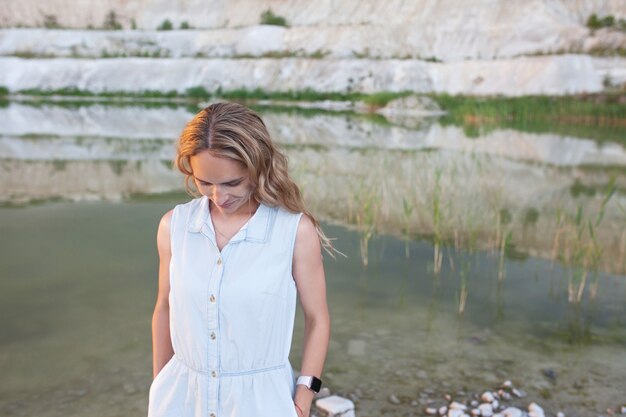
233 131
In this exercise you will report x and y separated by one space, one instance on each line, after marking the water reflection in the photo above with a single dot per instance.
474 259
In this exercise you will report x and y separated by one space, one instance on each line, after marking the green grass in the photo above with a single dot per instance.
599 116
269 18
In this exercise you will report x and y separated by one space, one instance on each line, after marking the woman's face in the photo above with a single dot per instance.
224 181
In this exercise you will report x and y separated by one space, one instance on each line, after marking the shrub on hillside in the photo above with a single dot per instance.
269 18
50 22
111 23
594 22
166 25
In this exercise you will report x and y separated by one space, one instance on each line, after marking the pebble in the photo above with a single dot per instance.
394 399
512 412
474 403
485 410
430 411
495 404
336 405
454 412
622 409
458 406
534 408
443 410
507 384
560 414
448 397
475 412
518 393
487 397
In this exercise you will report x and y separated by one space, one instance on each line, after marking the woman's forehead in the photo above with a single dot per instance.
210 168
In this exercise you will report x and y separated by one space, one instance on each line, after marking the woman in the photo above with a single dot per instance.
232 262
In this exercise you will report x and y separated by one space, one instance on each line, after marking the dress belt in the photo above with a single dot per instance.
235 373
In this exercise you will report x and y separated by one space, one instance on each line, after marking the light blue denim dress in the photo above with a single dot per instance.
231 318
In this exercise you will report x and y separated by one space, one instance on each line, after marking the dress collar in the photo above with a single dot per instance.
255 230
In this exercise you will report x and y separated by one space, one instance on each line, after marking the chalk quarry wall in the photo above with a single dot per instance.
453 46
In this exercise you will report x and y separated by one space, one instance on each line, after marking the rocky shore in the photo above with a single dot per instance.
504 401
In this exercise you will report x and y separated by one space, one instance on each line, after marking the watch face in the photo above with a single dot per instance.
316 384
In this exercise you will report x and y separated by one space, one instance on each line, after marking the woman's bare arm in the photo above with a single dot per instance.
162 349
308 272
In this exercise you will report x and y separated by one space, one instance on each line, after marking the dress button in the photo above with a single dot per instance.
212 298
213 336
214 374
219 261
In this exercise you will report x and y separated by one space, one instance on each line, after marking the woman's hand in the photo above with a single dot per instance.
301 412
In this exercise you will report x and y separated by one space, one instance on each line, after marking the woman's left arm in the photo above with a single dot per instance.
308 272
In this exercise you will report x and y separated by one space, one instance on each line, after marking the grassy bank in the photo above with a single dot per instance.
596 116
201 93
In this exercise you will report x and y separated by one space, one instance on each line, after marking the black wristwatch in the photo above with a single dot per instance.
311 382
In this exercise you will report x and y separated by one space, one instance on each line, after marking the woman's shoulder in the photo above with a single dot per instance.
188 206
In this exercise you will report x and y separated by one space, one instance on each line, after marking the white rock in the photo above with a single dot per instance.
485 410
512 412
443 410
560 414
394 399
536 410
507 384
430 411
474 403
336 405
518 393
454 412
487 397
475 412
495 404
623 409
458 406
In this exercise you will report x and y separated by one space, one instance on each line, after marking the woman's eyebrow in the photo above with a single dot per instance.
225 182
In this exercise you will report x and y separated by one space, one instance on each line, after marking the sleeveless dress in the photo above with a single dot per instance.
231 318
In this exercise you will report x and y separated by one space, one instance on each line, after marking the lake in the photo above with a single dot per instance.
470 260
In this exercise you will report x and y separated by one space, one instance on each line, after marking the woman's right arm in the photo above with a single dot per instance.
162 349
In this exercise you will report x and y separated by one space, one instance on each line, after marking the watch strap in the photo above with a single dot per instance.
311 382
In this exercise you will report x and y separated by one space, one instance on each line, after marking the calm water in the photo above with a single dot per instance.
78 275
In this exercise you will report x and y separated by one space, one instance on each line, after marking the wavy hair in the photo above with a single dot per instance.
233 131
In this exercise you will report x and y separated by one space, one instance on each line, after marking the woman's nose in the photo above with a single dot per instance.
217 193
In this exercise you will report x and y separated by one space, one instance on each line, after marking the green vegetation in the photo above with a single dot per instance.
269 18
599 116
133 24
166 25
50 22
4 91
111 23
185 25
594 22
